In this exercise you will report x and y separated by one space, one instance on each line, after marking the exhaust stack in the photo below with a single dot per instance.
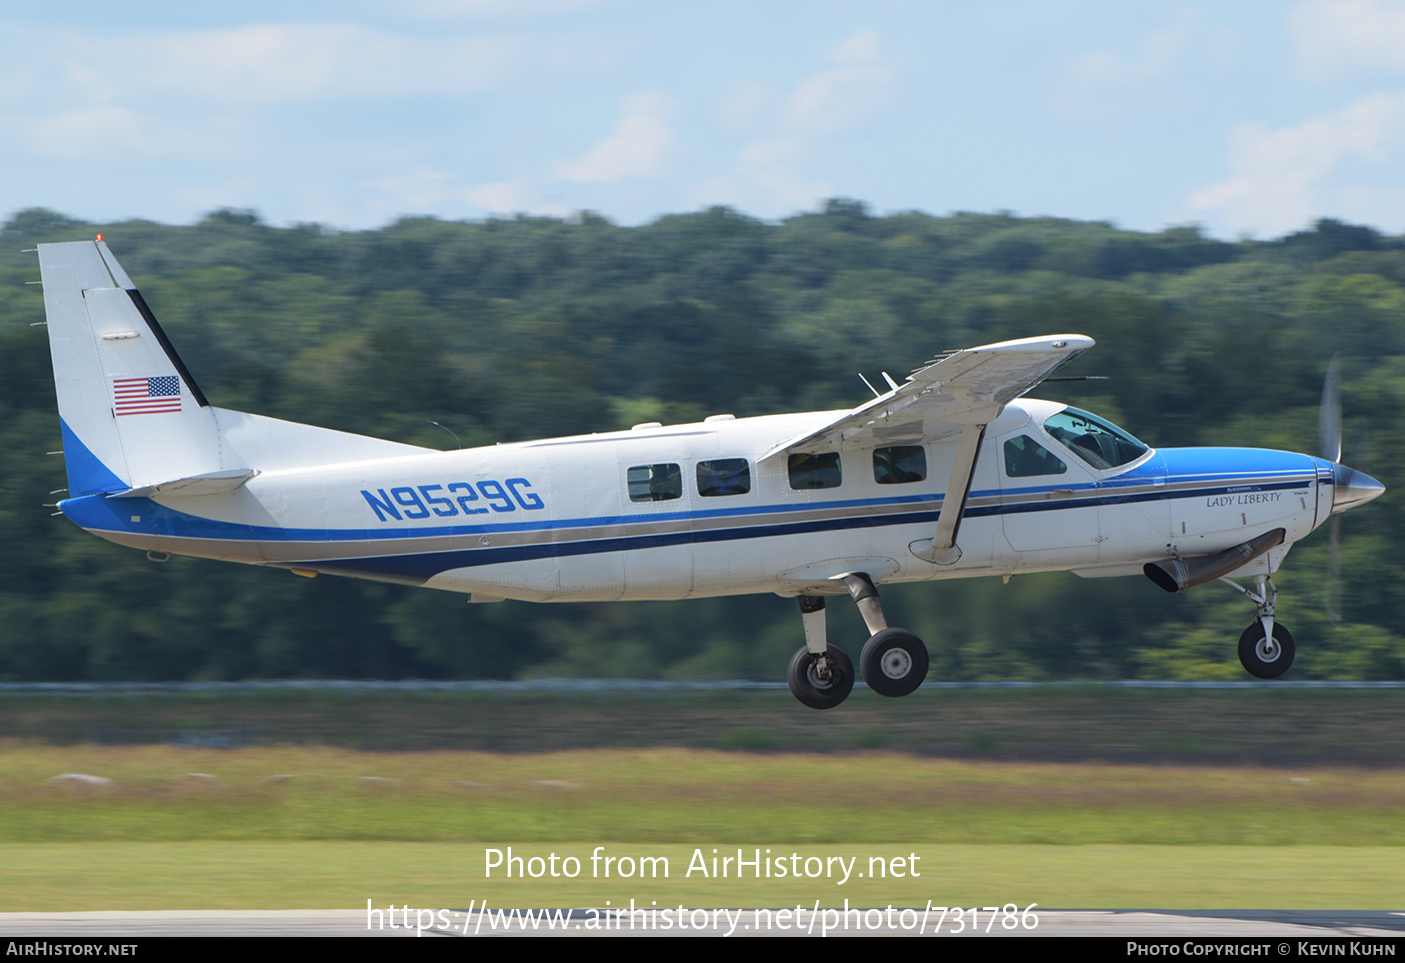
1179 574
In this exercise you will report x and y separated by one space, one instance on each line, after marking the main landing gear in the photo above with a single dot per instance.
893 661
1266 648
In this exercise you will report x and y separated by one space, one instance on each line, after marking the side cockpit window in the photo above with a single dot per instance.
1100 443
1026 458
655 483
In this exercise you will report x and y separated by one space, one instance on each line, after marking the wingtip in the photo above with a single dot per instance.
1048 342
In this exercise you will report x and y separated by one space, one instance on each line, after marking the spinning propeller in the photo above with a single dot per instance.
1349 487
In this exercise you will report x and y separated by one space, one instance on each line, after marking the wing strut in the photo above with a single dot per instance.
941 548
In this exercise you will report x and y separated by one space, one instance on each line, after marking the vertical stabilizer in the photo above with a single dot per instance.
132 415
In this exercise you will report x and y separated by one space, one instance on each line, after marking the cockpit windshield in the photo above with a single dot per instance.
1099 443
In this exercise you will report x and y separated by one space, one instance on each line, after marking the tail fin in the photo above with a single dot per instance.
132 415
134 421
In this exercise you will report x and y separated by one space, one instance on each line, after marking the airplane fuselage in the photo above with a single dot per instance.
695 510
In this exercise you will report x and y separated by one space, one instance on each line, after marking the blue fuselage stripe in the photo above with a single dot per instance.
428 564
103 514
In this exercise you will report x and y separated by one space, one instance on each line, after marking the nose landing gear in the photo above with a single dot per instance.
1266 648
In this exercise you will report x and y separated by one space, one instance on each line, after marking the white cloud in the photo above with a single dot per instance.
503 197
1158 54
505 9
768 174
745 106
858 49
765 179
81 133
271 63
17 85
416 189
209 194
637 147
833 100
1284 178
1336 37
827 101
107 131
423 188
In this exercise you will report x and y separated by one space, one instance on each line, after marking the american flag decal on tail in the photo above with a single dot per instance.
146 396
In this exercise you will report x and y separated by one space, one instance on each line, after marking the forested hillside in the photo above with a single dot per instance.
512 329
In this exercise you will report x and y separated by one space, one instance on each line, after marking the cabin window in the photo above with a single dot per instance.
1099 443
900 465
1026 458
815 471
724 476
655 483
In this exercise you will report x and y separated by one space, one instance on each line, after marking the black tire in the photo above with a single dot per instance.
1266 661
894 662
811 686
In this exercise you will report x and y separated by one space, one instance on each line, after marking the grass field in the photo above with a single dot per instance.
1198 820
315 827
1264 725
329 875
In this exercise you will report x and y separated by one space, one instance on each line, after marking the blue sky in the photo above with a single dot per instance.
1251 118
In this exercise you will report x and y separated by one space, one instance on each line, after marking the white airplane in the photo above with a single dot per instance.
951 474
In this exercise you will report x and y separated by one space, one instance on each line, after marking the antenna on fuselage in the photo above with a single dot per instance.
875 391
450 431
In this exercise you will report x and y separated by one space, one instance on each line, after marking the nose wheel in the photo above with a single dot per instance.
1264 657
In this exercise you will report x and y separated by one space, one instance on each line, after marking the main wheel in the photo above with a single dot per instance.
893 662
820 681
1264 658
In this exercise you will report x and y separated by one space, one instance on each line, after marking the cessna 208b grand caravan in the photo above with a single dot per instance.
951 474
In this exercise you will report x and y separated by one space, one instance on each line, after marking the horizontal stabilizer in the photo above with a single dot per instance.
210 483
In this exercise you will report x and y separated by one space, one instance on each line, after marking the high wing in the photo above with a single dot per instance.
961 392
969 387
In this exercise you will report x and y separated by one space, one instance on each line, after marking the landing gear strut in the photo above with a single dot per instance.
1266 648
820 675
893 662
